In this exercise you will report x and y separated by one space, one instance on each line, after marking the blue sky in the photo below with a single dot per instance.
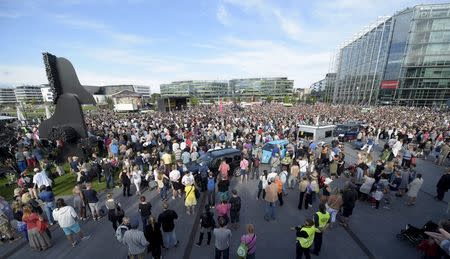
152 42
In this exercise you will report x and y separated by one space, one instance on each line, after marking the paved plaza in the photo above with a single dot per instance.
371 233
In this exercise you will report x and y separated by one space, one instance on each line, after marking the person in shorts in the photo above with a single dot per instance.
66 215
175 177
244 165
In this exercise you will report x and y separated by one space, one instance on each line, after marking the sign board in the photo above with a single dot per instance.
389 84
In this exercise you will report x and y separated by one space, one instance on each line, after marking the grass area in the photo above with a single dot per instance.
6 190
89 108
63 185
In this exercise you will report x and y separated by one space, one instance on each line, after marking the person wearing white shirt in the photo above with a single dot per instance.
40 179
66 215
188 179
303 165
174 177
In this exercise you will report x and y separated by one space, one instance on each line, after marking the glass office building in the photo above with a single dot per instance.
203 90
7 96
256 89
28 93
247 89
404 59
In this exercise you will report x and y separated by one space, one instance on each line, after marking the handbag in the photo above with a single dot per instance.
242 250
119 211
413 160
197 194
42 225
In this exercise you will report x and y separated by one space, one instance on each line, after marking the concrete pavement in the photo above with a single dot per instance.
372 232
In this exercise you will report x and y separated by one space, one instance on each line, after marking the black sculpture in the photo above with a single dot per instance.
67 125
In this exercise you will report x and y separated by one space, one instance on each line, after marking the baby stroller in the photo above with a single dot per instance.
416 235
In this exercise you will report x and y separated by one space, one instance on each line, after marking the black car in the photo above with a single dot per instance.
213 159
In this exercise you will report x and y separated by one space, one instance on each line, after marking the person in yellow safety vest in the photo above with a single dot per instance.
321 222
304 240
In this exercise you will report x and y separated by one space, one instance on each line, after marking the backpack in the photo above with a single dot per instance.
120 232
242 250
166 182
208 220
256 162
211 184
235 203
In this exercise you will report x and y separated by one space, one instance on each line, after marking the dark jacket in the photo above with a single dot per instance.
349 197
153 235
444 182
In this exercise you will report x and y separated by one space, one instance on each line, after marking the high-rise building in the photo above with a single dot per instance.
403 59
318 89
330 79
28 93
7 96
260 88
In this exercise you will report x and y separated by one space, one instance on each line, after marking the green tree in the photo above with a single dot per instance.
154 97
287 99
194 101
109 103
269 99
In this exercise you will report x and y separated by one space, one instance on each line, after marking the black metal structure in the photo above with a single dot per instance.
67 123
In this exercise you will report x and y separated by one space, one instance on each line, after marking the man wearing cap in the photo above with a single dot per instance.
135 240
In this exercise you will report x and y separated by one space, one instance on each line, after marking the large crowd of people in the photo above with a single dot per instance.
143 152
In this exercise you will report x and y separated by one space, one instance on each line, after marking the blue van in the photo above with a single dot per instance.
268 149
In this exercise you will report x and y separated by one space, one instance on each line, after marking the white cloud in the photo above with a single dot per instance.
259 58
12 75
102 28
287 22
222 15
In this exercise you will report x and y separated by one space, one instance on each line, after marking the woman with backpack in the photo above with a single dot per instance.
207 225
249 241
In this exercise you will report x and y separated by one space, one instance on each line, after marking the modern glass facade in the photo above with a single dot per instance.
360 71
404 60
330 79
200 89
7 96
255 89
28 93
248 89
426 71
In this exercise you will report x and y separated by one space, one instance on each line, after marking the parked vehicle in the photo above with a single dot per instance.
346 132
213 159
268 148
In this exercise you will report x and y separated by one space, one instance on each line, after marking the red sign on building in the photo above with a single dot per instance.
389 84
